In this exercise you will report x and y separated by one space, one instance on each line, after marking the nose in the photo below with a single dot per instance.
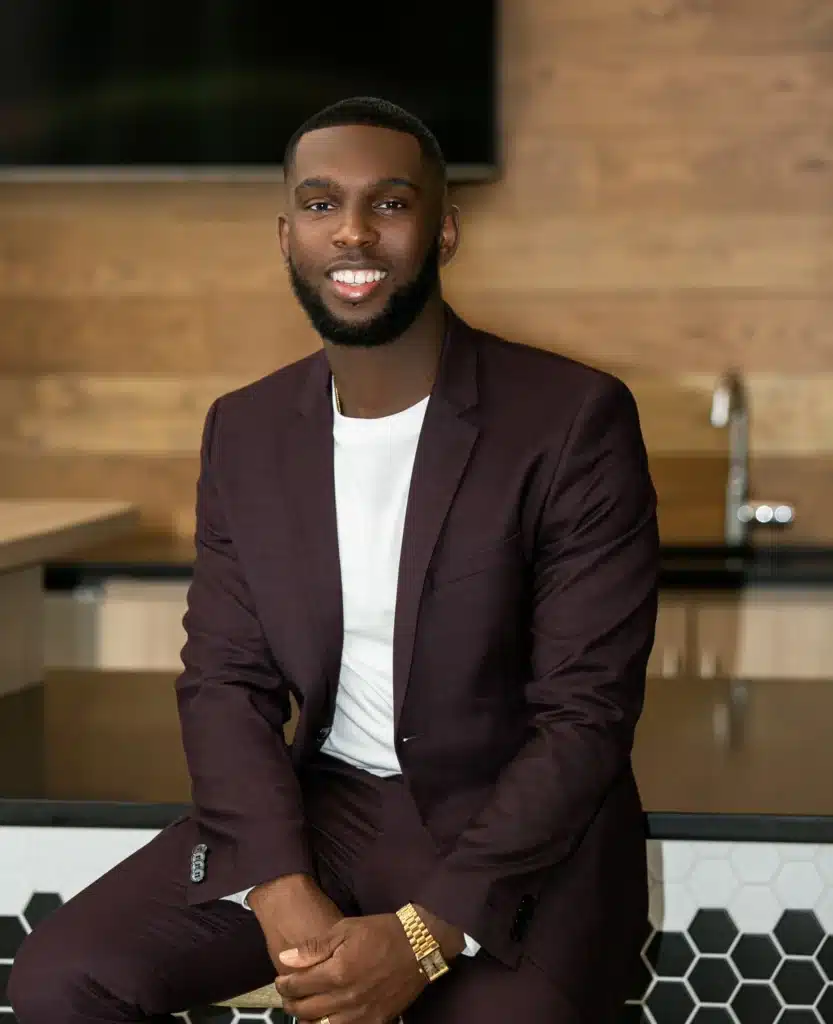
354 229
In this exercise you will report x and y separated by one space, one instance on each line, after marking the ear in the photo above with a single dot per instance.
449 234
283 235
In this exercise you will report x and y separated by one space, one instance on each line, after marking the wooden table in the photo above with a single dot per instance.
31 534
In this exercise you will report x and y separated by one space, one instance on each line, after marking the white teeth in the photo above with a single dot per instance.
358 276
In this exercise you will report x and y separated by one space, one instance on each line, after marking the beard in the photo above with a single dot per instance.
402 308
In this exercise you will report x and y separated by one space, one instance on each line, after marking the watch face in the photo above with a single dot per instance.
434 965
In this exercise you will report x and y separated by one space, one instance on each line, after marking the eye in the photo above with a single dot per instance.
392 204
317 205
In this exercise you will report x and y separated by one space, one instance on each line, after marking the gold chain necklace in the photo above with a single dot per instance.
335 396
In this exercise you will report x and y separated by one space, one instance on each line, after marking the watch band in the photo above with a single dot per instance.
425 946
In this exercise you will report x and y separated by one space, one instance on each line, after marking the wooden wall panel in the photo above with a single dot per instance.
665 331
134 254
635 252
227 332
664 211
249 335
685 26
164 415
781 169
603 90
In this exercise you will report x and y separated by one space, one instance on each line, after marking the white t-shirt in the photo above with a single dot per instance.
374 459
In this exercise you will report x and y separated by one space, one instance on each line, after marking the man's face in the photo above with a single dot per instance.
365 232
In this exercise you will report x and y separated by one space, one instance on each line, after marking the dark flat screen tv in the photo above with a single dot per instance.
216 87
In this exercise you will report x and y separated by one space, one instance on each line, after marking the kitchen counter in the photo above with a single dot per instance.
713 757
31 534
35 532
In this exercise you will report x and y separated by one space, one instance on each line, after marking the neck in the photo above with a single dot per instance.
384 380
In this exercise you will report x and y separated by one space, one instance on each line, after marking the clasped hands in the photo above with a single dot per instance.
353 970
361 971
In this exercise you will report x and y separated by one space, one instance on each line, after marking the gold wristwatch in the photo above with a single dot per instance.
425 946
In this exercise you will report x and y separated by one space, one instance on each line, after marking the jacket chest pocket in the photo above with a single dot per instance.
460 566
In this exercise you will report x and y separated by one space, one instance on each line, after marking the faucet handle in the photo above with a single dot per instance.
768 513
728 397
721 402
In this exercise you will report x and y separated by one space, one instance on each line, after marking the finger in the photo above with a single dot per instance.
311 951
311 981
299 959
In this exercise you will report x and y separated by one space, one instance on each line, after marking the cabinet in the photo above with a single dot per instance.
771 633
765 634
669 655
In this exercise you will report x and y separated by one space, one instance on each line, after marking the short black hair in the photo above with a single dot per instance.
377 113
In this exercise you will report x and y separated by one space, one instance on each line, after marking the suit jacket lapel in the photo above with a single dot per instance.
445 447
309 471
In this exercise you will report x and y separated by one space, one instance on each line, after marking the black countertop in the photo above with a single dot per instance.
714 759
721 568
684 567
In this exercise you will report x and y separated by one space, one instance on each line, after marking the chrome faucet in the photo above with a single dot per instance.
730 409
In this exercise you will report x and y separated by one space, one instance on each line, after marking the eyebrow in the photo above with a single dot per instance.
330 183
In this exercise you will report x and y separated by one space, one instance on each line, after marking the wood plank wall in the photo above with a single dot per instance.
664 211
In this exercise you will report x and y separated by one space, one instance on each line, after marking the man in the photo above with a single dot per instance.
444 546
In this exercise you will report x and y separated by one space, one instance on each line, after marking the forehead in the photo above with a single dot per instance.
358 154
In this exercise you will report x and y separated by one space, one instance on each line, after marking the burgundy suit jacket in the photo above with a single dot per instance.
525 614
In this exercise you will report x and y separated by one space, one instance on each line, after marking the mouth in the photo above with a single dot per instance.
356 285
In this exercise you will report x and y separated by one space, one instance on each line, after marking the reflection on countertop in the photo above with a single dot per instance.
703 747
722 747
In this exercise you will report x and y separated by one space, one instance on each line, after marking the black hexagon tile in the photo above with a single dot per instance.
712 931
40 906
798 1017
824 957
755 1003
713 980
12 933
824 1007
5 971
670 954
798 982
712 1015
799 932
670 1002
755 957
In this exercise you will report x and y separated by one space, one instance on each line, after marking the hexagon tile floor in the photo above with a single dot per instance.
742 933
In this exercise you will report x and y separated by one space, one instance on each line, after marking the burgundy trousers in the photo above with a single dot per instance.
129 947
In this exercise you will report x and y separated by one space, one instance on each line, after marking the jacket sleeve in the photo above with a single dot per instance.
233 704
595 579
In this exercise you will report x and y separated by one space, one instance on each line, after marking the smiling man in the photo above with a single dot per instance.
444 547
